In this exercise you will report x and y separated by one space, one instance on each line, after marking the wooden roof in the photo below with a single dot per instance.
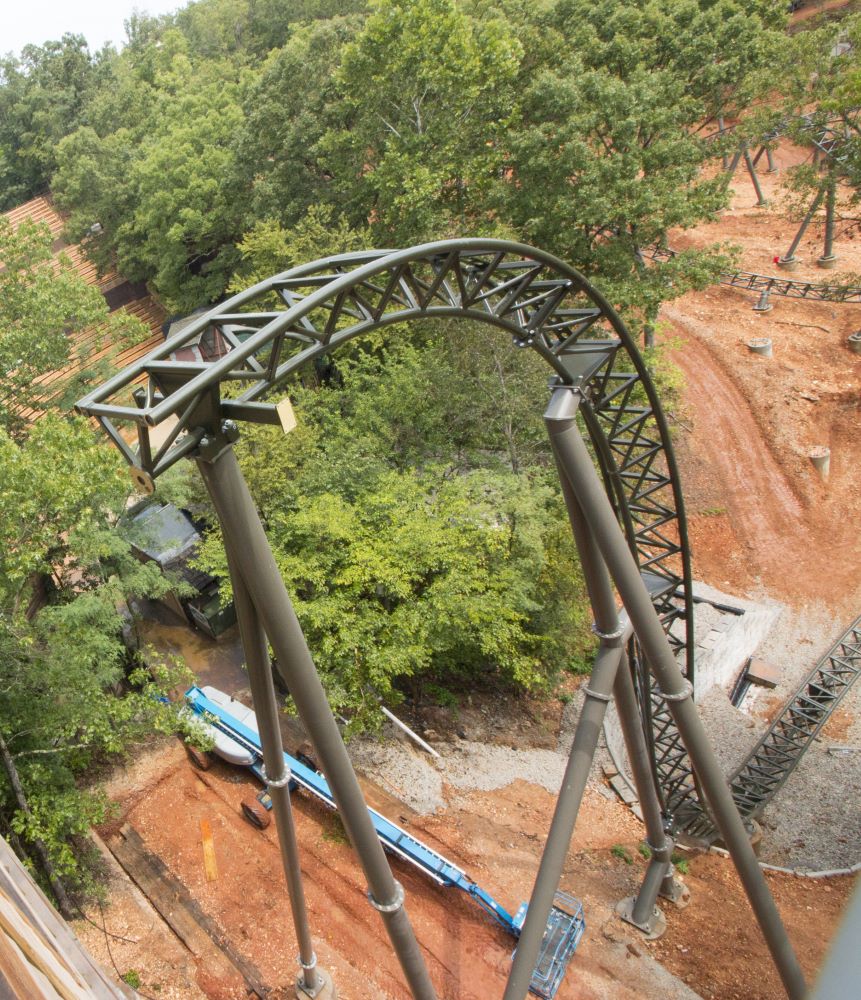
91 342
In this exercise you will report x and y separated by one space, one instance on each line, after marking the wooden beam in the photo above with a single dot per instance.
198 932
16 980
17 884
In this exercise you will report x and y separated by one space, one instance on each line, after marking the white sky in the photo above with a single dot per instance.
100 21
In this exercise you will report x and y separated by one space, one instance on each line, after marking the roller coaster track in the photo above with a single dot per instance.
749 281
260 337
755 783
828 136
264 334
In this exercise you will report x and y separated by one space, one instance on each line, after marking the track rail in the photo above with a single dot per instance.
750 281
277 327
774 758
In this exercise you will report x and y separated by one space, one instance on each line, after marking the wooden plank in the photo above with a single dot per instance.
16 981
16 882
198 932
209 864
39 954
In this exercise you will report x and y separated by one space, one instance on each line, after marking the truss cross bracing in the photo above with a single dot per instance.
773 759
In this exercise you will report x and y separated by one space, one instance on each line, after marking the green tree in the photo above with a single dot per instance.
287 113
426 93
171 203
417 558
824 101
55 330
608 153
69 694
43 96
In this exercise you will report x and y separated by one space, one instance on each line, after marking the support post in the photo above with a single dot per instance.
659 879
311 980
721 129
642 911
751 169
256 566
598 513
598 692
789 259
828 259
733 164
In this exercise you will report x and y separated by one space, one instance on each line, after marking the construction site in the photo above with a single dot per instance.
682 821
197 891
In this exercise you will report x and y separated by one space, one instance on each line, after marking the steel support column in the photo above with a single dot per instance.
599 515
256 566
751 169
789 257
659 877
265 704
828 259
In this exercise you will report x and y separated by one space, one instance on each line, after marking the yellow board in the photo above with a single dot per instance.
208 851
286 415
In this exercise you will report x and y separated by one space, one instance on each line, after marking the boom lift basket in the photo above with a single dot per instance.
565 926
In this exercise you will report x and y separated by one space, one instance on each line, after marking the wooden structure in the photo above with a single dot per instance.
40 957
132 297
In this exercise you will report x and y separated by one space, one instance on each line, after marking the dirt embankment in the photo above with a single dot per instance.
762 520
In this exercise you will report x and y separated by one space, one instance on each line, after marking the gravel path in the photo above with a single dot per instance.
417 778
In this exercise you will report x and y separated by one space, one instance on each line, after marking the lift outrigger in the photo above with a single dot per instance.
234 729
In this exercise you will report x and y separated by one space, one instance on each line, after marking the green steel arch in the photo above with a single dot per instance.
258 338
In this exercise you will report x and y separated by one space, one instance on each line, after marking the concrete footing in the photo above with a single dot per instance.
652 928
788 263
677 893
821 459
761 346
325 991
827 262
854 341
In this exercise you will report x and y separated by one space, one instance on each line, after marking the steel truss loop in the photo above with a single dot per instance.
256 340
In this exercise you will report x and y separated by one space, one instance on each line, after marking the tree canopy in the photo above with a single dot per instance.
574 125
69 691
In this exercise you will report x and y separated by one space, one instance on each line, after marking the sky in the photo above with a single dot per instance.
100 21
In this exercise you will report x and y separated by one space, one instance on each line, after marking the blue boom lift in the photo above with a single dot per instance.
565 924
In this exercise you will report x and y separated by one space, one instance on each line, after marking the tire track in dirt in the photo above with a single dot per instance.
765 514
759 494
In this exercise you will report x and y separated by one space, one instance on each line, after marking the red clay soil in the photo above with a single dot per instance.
716 947
497 838
761 518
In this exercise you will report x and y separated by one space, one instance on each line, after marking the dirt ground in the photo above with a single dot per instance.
497 838
762 523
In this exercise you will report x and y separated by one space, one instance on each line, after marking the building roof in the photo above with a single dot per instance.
119 294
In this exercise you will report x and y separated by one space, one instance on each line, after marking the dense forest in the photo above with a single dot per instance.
413 512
